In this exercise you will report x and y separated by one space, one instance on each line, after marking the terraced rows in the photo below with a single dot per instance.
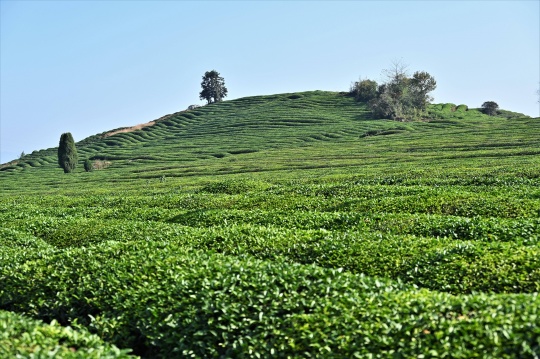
231 125
290 225
289 122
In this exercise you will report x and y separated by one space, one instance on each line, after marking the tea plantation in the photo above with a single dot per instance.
287 226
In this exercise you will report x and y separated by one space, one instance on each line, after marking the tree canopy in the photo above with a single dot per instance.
490 108
213 87
364 90
400 97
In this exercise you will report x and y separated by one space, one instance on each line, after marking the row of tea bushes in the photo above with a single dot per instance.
524 230
23 337
467 201
442 264
165 301
518 230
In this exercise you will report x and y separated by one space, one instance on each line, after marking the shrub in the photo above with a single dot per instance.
88 165
165 301
449 107
22 337
364 90
401 97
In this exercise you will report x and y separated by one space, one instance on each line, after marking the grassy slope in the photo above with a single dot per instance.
451 205
294 132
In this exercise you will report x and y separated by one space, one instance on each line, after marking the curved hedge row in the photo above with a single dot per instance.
518 230
442 264
503 202
525 231
164 301
22 337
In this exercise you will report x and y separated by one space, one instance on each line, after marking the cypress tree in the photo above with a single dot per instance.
67 153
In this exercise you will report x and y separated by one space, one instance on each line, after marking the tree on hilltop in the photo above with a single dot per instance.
490 108
67 153
364 90
401 97
213 87
420 86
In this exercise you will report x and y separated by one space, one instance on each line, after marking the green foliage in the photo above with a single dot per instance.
233 187
490 108
420 85
88 165
67 153
298 224
213 87
364 90
286 225
166 301
510 114
22 337
449 107
401 97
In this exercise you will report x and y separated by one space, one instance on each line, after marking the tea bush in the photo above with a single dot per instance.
22 337
165 301
358 246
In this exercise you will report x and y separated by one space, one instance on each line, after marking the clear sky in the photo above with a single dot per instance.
86 67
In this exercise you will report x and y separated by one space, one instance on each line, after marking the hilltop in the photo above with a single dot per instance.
284 132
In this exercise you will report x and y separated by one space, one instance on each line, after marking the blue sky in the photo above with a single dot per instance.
86 67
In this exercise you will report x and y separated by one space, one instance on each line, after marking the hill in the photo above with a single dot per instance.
290 225
289 132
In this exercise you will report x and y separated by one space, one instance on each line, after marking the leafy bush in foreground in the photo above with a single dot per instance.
443 264
164 301
22 337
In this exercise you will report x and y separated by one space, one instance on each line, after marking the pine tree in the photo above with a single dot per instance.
67 153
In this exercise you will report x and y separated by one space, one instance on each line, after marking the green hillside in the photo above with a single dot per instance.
298 131
291 225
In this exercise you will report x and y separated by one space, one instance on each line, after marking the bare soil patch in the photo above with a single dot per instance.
130 129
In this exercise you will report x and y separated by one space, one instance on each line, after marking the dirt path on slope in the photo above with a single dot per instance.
130 129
